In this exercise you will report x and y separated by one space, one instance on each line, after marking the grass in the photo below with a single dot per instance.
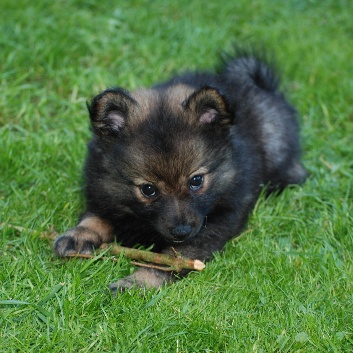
285 286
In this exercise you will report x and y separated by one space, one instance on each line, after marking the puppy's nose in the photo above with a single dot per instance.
181 231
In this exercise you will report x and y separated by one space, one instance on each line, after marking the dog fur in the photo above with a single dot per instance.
182 164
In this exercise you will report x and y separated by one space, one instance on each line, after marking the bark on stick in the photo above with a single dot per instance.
174 263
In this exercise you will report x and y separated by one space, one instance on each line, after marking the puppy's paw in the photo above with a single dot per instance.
77 240
142 279
124 284
296 173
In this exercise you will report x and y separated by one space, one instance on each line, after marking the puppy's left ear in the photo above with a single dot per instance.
209 106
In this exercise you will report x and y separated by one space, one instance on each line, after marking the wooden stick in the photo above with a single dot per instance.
162 262
154 260
175 263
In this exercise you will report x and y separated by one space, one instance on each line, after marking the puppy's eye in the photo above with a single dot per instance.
148 190
196 182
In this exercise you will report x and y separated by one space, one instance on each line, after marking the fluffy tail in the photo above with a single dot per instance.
248 67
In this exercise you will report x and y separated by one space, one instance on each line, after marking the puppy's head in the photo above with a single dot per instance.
166 156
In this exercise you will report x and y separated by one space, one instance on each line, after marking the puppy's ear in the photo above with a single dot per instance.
109 111
209 106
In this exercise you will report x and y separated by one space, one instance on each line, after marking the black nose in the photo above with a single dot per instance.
181 231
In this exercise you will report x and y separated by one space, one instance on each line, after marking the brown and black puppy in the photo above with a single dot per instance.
182 164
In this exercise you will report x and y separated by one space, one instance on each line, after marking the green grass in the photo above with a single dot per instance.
285 286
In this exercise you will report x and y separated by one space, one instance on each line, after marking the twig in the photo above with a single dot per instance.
89 256
135 263
175 263
155 267
150 259
18 228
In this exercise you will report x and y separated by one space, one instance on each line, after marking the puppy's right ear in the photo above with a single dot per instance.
109 110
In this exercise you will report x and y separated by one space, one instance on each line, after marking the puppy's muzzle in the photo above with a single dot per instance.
181 232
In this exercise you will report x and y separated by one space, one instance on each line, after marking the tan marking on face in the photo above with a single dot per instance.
148 100
202 170
181 186
177 95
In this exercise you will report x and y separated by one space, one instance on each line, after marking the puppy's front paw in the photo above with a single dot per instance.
77 240
123 284
143 278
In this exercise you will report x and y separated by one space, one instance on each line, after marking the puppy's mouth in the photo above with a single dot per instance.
182 241
174 241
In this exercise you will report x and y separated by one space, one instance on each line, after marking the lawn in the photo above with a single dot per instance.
285 285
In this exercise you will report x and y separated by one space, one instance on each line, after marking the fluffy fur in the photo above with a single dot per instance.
182 164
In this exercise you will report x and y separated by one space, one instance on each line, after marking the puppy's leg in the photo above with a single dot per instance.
89 234
295 173
142 278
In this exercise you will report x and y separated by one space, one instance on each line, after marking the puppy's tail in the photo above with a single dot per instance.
250 68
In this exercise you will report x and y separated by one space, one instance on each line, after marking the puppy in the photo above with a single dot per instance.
182 164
